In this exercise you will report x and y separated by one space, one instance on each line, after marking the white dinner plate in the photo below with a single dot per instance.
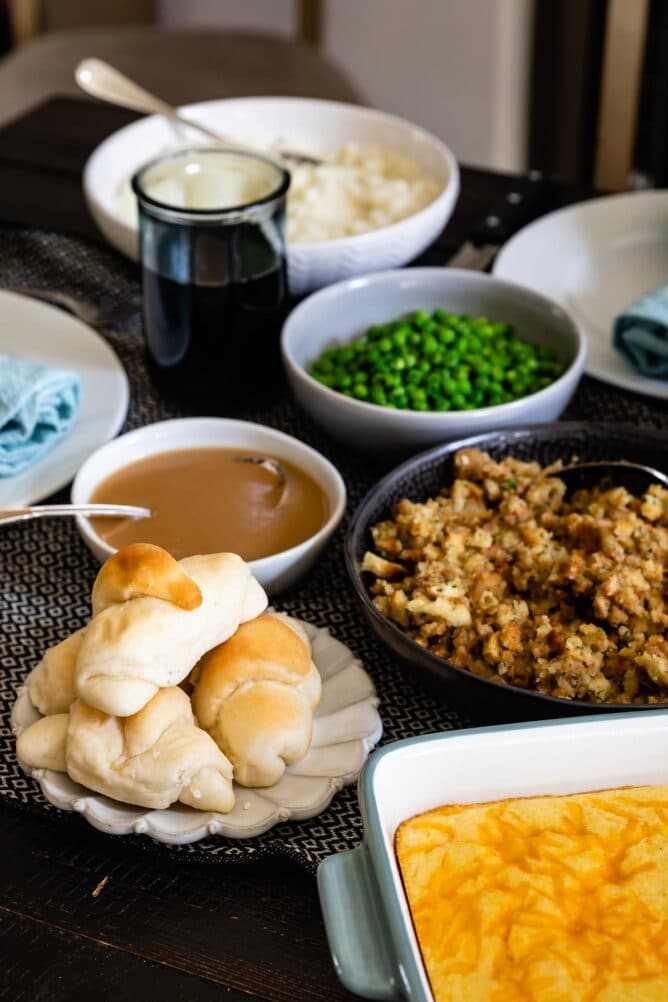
346 727
43 333
595 259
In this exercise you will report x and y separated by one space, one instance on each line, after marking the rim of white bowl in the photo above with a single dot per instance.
338 501
332 292
450 189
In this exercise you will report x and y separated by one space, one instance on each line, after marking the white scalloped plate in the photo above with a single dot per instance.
345 729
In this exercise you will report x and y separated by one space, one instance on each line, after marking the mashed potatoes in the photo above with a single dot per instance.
366 188
360 187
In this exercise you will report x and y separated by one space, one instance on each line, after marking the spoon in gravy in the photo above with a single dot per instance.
25 514
271 465
212 500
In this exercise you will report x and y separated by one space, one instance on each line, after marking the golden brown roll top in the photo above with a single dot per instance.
255 694
144 570
149 630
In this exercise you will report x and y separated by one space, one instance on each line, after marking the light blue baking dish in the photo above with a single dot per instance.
368 923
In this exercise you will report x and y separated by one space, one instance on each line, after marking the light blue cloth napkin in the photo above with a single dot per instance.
37 407
640 334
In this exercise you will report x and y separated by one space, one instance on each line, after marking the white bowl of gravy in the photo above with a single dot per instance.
205 499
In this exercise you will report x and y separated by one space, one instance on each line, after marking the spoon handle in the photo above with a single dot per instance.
9 515
101 80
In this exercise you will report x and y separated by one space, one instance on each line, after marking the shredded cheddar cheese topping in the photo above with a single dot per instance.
546 899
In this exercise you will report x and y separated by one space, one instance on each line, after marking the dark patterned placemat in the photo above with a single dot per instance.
46 571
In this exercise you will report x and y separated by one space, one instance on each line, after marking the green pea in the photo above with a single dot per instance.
420 319
437 362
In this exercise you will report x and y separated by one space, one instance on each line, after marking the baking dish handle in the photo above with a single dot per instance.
356 930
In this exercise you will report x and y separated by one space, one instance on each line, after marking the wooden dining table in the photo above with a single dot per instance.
82 916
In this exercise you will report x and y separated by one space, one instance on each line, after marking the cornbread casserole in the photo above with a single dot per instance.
543 899
502 575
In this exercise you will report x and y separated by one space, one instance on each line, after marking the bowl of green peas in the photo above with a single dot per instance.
400 360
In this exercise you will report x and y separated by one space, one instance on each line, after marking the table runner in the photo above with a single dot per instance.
46 571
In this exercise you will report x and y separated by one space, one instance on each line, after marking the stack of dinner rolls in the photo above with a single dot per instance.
179 684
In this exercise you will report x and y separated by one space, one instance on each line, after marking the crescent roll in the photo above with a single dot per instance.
255 694
52 683
154 619
153 758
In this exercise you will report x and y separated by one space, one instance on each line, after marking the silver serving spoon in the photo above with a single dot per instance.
9 515
633 476
101 80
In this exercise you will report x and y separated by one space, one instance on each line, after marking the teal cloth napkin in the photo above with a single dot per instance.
640 334
37 407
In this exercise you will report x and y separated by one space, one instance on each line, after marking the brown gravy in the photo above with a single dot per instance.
205 501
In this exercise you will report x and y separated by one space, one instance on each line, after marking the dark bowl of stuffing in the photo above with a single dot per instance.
509 596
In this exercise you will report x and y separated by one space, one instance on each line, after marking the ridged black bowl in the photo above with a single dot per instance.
486 700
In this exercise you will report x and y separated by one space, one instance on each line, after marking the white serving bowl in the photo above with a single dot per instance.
274 572
344 311
312 124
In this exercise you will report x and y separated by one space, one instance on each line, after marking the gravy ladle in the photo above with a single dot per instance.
27 512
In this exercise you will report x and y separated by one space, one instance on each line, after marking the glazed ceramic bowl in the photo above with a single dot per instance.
483 699
310 124
344 311
367 918
274 572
